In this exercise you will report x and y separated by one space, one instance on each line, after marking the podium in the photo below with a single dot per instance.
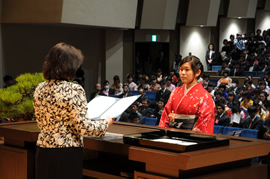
110 157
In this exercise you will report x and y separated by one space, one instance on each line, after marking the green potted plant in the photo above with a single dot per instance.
16 101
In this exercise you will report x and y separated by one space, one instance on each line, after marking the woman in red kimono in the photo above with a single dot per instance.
190 106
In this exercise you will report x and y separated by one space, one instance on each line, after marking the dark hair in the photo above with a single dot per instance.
7 78
236 109
246 94
211 84
133 115
135 103
116 78
222 100
163 82
262 82
169 78
221 105
106 81
235 81
206 75
62 62
195 63
212 45
264 93
130 76
257 90
222 86
146 99
218 92
252 109
231 94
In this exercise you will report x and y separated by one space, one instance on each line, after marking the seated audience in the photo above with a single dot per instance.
125 92
260 111
98 90
131 84
226 80
158 110
145 110
106 89
163 93
221 119
252 121
169 86
117 86
247 102
154 86
134 118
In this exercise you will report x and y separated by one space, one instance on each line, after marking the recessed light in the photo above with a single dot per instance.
201 25
239 17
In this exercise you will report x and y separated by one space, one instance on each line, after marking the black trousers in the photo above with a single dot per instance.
58 163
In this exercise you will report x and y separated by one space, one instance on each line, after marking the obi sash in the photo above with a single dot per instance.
183 121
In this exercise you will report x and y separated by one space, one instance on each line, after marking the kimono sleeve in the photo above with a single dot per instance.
206 115
78 113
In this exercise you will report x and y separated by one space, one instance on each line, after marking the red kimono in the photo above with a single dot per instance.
197 102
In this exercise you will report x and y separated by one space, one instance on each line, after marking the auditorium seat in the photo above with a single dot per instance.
151 95
149 121
216 67
250 73
218 129
133 92
228 129
250 133
260 73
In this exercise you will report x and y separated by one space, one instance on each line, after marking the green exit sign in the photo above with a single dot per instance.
154 38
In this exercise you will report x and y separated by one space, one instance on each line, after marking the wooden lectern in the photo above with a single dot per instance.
110 157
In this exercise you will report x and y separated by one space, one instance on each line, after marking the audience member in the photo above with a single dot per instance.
125 92
8 80
131 84
163 93
98 90
221 119
158 110
260 111
247 102
210 57
252 121
106 89
205 81
134 118
226 80
169 86
145 110
154 86
117 86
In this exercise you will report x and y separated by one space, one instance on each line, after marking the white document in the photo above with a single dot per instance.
102 106
236 118
172 141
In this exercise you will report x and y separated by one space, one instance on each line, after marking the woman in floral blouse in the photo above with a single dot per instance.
61 114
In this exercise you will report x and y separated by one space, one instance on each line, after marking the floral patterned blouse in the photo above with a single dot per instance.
61 110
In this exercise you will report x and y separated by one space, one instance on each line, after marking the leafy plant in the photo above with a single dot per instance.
16 101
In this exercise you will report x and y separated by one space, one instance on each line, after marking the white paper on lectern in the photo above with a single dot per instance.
102 106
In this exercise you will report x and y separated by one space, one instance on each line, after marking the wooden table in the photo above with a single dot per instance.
115 159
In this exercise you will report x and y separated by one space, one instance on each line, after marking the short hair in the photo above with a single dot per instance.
221 105
212 45
133 115
264 93
252 109
163 82
246 94
211 84
222 100
262 82
222 86
146 99
130 76
195 63
257 90
125 85
7 78
169 78
135 103
235 81
218 92
206 75
231 94
62 62
106 81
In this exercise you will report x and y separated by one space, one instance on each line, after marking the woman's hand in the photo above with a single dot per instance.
110 120
171 117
